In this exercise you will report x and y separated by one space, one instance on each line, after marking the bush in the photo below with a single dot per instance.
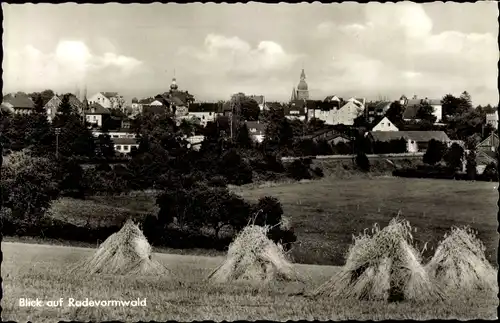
434 153
268 211
490 173
298 170
318 172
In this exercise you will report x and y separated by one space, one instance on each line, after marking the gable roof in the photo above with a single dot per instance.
146 101
384 119
55 100
110 95
411 111
491 141
418 136
332 98
19 100
204 107
96 108
296 108
125 141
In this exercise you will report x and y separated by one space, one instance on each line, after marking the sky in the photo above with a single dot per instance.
363 50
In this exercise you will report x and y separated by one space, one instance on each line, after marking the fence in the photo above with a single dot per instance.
348 157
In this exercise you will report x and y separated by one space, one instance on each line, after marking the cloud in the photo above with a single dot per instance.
233 55
395 49
70 63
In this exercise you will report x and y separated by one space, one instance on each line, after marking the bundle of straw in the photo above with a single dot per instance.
123 253
252 256
460 265
382 266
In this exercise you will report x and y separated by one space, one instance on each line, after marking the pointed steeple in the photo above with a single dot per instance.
303 75
294 95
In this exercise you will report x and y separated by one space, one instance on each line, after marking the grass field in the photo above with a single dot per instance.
39 271
326 213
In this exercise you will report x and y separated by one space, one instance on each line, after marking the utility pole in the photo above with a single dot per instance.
58 132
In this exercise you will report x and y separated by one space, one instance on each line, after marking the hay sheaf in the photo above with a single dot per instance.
126 252
252 256
460 265
383 266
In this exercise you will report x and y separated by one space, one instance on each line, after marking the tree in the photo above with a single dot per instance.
395 112
249 109
454 156
362 161
425 113
434 153
465 104
29 186
315 124
243 139
471 165
278 133
105 146
38 135
450 105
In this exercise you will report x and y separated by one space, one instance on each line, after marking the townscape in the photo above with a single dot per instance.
244 207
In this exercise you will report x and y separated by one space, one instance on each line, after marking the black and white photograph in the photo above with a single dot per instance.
249 161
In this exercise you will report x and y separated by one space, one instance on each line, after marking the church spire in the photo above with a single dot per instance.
303 75
294 95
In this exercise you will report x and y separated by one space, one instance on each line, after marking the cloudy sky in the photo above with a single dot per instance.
349 49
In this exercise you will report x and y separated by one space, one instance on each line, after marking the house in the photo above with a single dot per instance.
296 110
124 145
256 130
385 125
416 141
97 114
411 108
346 114
18 103
330 135
109 100
120 133
203 112
487 152
376 109
52 106
492 119
195 141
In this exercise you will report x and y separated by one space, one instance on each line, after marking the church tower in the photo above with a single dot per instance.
302 88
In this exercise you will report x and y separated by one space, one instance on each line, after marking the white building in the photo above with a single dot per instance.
122 133
124 145
109 100
96 114
492 119
385 125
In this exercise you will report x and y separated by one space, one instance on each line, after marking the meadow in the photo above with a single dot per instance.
326 213
40 271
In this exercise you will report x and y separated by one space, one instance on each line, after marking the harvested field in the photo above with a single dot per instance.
31 271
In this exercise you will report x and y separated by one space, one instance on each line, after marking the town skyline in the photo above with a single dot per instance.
345 51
